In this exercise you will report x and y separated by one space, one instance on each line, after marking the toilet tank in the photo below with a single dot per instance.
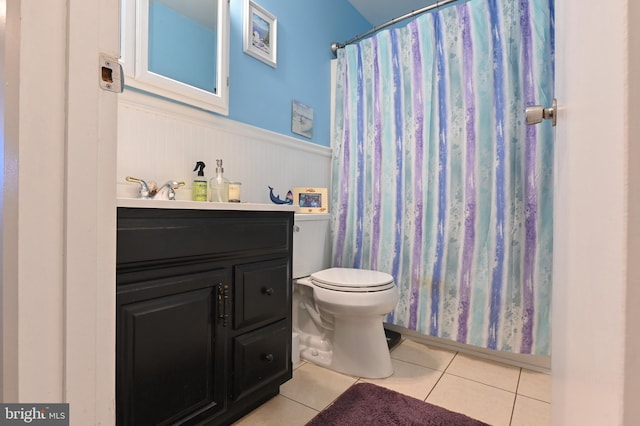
311 244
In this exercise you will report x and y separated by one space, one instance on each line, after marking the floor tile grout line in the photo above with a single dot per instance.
518 383
426 366
451 361
518 393
515 398
434 386
533 398
482 383
305 405
418 365
340 394
304 362
440 378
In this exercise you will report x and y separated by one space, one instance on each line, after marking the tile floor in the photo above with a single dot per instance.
495 393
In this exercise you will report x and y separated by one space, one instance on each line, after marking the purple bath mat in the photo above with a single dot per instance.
371 405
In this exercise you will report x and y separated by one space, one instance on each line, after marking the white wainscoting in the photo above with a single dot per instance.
160 140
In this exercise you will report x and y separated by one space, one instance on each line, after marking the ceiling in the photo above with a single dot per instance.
378 12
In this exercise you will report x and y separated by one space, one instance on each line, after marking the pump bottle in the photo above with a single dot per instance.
199 183
219 185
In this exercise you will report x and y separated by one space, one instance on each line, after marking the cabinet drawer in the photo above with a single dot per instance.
158 235
261 357
262 292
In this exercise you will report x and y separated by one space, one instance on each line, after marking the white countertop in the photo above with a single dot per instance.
202 205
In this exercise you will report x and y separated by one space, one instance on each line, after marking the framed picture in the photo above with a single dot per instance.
301 119
311 200
260 35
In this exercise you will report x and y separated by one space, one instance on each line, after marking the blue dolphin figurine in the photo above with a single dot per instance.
276 198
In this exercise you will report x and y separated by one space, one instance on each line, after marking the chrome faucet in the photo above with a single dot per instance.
167 191
144 191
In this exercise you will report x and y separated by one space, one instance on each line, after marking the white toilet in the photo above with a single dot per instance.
338 313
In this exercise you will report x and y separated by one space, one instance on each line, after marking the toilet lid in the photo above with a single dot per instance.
352 280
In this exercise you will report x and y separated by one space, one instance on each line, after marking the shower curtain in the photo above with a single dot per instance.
438 180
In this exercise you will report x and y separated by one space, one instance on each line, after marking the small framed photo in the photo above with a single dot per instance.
301 119
260 33
311 200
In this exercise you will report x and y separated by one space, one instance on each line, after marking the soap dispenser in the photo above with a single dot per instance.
199 183
219 185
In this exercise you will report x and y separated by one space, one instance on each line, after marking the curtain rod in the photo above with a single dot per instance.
335 45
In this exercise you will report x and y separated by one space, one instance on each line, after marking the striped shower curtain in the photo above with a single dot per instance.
438 180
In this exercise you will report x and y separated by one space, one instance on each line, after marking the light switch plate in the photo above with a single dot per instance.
110 74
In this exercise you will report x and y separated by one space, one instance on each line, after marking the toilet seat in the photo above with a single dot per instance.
352 280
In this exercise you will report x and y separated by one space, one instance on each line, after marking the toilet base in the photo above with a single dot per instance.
359 348
315 356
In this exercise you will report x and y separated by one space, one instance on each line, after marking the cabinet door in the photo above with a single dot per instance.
168 366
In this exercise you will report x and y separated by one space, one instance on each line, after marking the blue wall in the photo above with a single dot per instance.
261 95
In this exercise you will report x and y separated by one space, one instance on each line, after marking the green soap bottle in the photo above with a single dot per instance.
199 183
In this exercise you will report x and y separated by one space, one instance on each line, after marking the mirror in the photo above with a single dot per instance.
178 49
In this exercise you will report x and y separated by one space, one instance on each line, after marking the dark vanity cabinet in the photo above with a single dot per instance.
203 313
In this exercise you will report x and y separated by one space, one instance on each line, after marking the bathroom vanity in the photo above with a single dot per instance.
203 311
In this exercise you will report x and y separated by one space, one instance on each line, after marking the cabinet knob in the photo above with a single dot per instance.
267 291
267 357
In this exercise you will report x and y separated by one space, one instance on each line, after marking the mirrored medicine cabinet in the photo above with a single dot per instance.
177 49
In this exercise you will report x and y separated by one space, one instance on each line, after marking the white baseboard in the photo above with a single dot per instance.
531 362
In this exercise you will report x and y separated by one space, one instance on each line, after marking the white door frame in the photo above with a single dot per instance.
58 279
